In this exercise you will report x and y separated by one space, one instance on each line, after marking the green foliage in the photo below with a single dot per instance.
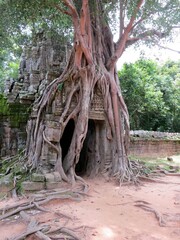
15 171
170 87
16 112
153 164
60 86
4 108
152 95
20 20
9 64
156 20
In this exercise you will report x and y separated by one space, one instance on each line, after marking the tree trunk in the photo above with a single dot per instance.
89 68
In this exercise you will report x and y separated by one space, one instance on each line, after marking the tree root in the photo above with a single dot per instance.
19 209
42 236
151 180
159 217
65 231
41 199
34 227
136 172
43 232
27 233
171 174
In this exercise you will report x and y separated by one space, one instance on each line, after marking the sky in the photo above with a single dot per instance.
160 55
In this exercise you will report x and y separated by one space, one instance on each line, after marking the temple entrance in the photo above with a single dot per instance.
88 147
87 150
67 137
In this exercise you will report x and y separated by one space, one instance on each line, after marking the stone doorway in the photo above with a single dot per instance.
67 137
87 150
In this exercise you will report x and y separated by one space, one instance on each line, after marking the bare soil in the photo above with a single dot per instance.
109 212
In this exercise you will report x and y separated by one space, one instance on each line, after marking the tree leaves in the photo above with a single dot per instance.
152 95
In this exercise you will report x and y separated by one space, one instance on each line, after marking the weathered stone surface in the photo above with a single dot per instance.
53 177
49 177
48 154
154 147
33 186
6 183
57 176
154 134
40 64
53 185
53 134
36 177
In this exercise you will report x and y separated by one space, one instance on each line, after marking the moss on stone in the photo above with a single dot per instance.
4 108
16 112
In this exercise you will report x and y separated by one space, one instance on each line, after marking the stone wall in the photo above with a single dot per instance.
13 119
152 145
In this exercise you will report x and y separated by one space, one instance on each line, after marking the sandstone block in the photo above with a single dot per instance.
33 186
36 177
53 134
49 177
57 176
53 185
6 183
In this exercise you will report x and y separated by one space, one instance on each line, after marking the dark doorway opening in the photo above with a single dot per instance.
87 150
67 137
88 146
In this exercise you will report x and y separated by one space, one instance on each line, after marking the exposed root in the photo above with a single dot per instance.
27 233
171 174
65 231
85 185
44 232
40 200
157 214
131 173
15 211
42 236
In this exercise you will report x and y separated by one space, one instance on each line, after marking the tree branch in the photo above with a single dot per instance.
79 30
71 7
121 18
61 10
164 47
121 43
175 26
83 17
144 36
134 14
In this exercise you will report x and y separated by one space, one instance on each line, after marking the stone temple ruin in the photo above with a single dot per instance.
41 63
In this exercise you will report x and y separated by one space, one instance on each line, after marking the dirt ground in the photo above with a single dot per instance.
109 212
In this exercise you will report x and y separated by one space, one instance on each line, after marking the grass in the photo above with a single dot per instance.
153 163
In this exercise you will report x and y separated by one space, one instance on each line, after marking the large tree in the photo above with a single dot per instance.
93 64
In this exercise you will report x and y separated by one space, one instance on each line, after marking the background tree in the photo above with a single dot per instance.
93 64
170 87
151 93
9 65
